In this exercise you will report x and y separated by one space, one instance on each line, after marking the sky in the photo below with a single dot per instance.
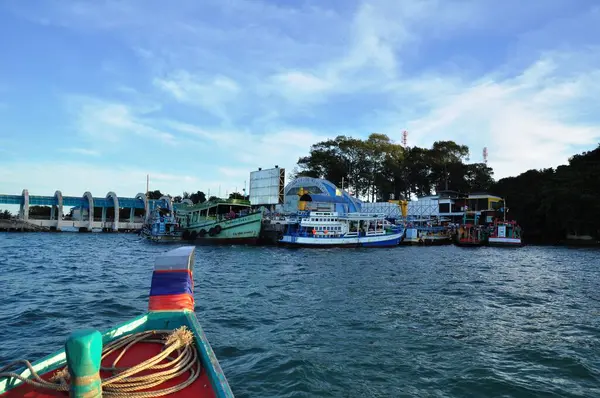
95 95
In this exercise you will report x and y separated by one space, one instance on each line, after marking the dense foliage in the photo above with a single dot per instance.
378 169
552 203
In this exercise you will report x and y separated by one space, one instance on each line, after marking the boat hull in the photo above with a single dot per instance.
465 243
504 242
390 240
166 238
242 230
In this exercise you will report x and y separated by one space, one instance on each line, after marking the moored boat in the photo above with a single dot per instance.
470 233
505 233
163 352
162 226
427 235
231 221
330 229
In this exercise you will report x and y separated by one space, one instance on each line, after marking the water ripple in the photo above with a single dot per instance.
427 322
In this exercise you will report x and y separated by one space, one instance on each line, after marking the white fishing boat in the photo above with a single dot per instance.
330 229
505 233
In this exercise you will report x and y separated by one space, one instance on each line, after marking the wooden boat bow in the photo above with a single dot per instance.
161 353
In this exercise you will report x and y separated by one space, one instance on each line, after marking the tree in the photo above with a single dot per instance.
549 204
213 198
40 211
177 199
236 195
155 195
5 215
198 197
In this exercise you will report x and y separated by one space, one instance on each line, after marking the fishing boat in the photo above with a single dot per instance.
162 226
470 233
163 352
505 233
330 229
231 221
427 235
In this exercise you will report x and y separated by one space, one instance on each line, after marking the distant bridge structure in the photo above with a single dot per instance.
86 204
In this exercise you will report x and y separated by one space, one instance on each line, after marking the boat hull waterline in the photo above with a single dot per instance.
390 240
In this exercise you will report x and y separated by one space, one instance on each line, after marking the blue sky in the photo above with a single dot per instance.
96 94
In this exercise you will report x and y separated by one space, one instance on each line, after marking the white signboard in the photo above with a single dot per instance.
266 186
502 231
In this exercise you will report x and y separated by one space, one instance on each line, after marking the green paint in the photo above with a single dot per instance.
84 350
238 228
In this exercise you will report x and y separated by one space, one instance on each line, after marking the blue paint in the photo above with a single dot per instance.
390 242
166 283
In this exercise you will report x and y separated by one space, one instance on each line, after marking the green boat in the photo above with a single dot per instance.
161 353
231 221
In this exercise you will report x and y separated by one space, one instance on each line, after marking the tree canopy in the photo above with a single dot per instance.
552 203
380 169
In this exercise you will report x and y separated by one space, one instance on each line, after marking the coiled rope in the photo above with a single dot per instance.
127 382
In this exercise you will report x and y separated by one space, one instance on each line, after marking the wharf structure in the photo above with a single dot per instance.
446 206
91 211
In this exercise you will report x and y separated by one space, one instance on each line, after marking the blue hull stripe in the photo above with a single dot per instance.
167 283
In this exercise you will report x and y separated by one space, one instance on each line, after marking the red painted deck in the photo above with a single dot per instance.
201 388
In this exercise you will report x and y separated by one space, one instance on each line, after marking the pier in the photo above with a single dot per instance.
92 211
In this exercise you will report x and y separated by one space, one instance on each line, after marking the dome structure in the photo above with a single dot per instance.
318 188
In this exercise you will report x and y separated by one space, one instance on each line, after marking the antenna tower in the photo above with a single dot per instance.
404 138
485 155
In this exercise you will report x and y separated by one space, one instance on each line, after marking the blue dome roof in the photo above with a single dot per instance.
327 188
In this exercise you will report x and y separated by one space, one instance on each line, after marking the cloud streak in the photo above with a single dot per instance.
223 87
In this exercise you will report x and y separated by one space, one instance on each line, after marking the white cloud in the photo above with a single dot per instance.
530 121
278 146
112 121
82 151
308 57
214 95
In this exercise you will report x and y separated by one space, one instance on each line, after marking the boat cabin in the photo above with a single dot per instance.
217 211
333 225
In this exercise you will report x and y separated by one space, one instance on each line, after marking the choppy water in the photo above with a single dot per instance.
426 322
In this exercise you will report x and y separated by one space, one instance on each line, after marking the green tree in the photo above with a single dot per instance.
155 195
198 197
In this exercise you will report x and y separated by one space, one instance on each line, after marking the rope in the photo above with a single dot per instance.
128 382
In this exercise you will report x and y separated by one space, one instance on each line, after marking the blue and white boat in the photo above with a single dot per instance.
330 229
162 226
